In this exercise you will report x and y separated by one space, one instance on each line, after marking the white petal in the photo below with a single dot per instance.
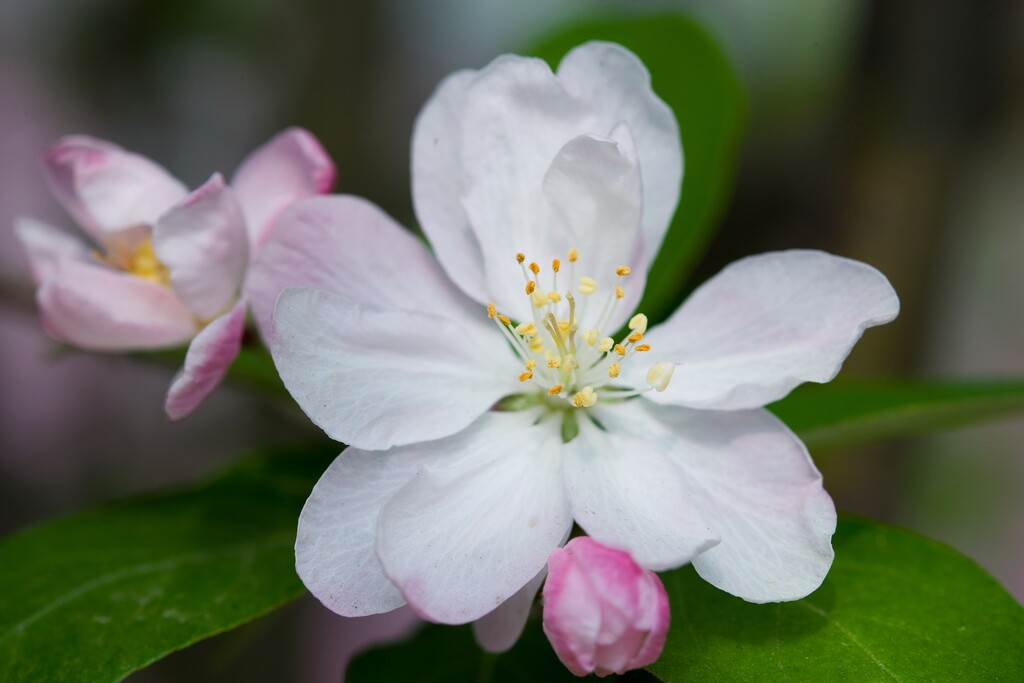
628 493
618 87
753 479
764 325
516 119
335 552
46 246
348 246
377 378
460 539
437 185
499 630
594 197
204 245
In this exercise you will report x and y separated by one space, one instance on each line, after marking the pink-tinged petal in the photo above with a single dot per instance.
291 166
617 86
209 356
348 246
464 536
628 493
107 189
335 554
99 309
603 613
437 184
593 191
46 246
764 325
377 378
753 479
498 630
516 119
202 243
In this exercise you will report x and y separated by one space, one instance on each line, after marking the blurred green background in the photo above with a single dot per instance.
889 132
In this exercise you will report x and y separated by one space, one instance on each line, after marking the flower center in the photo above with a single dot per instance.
566 362
140 262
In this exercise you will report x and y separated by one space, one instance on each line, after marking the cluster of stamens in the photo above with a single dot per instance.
140 262
565 361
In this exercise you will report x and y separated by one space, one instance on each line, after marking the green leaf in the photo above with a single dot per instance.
691 73
847 413
98 595
895 606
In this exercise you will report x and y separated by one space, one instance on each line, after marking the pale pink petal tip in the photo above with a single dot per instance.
207 361
603 613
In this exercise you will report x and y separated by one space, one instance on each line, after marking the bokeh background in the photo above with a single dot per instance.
890 131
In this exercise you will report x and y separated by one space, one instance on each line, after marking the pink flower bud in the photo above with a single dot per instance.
603 612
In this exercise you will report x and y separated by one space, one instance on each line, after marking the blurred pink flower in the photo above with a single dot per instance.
162 267
603 613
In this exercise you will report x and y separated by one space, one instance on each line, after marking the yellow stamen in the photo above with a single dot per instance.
613 370
605 345
619 293
620 349
536 344
531 364
520 258
642 347
555 390
504 319
525 376
555 363
491 310
526 330
585 398
530 286
555 265
588 285
563 326
623 271
638 323
660 374
573 255
590 336
634 338
539 300
534 268
554 297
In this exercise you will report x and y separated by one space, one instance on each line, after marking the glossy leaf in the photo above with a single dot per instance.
98 595
849 413
895 606
690 72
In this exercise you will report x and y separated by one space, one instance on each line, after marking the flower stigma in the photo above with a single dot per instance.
566 367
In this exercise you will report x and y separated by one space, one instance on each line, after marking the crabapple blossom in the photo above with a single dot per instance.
486 394
161 266
603 613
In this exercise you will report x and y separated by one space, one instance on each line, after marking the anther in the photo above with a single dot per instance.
531 364
590 336
520 258
555 363
534 268
585 398
638 323
504 319
660 374
613 370
554 297
605 345
530 286
619 293
563 326
588 285
620 349
623 271
526 329
642 347
525 376
573 255
555 390
536 344
634 338
491 310
555 265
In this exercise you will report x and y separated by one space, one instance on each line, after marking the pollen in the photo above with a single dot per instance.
491 310
555 363
585 398
563 326
554 297
526 330
573 255
588 285
620 349
555 390
504 319
525 376
530 365
619 293
642 348
634 338
530 286
613 370
623 271
556 265
534 268
520 257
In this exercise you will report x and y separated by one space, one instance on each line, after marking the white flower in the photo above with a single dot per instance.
486 403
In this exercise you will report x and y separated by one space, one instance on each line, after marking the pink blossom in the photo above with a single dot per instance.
161 266
603 612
